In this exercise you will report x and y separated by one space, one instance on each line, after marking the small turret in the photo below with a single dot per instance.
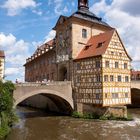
83 5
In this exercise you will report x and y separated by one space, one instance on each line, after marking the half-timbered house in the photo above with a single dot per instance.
102 71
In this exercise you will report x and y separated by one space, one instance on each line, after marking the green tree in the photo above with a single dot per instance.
7 113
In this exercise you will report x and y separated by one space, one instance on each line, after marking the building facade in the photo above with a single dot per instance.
102 71
72 33
88 52
2 61
41 66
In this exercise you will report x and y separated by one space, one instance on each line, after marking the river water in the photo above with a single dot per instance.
37 125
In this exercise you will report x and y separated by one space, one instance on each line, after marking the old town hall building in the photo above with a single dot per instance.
88 52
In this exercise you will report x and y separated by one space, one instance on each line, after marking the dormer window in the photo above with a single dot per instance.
100 44
60 36
84 33
87 47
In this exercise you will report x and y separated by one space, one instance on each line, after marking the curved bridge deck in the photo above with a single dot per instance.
26 90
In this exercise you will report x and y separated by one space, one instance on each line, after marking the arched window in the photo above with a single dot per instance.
84 33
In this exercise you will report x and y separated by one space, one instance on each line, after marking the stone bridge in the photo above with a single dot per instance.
62 90
135 84
135 93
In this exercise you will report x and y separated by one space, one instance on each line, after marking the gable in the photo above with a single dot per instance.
60 21
116 47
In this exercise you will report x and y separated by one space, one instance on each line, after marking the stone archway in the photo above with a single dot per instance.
24 96
135 97
49 103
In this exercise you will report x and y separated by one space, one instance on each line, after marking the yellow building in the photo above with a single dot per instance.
102 72
2 60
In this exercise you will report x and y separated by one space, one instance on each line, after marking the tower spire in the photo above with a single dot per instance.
83 5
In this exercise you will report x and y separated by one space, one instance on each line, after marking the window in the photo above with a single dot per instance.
105 95
106 78
60 36
126 95
100 45
126 79
97 64
78 66
116 64
120 54
98 78
125 65
112 53
97 96
119 78
111 78
78 79
84 33
107 64
114 95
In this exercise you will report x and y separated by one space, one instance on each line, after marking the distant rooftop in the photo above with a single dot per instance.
2 53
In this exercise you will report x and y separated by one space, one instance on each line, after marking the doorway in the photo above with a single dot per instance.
63 74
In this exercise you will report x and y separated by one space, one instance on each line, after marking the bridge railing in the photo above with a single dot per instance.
58 83
135 81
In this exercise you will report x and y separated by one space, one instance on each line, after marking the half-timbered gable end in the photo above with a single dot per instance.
102 71
116 73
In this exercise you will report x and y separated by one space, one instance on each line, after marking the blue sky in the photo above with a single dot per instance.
24 24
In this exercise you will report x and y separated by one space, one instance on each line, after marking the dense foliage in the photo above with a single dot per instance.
7 114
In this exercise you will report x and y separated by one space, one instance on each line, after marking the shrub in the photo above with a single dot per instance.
7 114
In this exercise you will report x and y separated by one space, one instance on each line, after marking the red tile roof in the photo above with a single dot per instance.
2 54
45 45
135 72
50 43
96 45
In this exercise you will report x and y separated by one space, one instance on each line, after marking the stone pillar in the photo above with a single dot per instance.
117 111
80 108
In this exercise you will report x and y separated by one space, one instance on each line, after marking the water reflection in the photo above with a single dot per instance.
37 125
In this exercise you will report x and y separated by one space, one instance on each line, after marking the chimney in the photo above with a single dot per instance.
83 5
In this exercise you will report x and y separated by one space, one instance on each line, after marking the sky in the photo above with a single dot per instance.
25 24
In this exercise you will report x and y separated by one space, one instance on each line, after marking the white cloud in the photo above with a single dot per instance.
125 17
65 10
38 12
50 35
73 3
16 52
59 8
12 71
14 7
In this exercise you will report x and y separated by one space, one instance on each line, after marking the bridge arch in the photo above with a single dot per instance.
62 101
40 91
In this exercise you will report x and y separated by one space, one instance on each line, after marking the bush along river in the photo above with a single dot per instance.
37 125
